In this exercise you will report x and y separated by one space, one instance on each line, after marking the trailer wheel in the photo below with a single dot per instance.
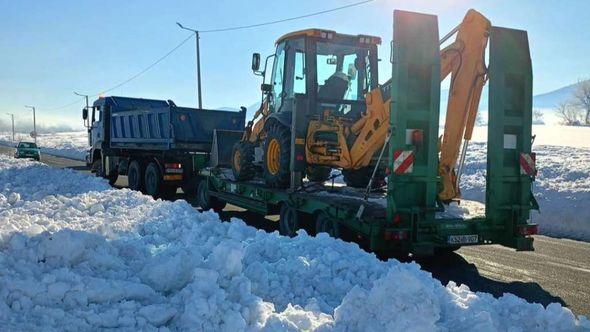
318 173
206 201
289 222
325 224
153 181
135 176
242 161
277 154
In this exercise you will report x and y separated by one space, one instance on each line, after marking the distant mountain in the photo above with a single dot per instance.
548 100
553 98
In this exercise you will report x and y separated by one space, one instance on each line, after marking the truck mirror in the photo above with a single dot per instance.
255 62
84 113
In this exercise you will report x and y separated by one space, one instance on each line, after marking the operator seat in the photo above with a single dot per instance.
334 87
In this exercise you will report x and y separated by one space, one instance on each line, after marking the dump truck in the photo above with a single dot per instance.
406 214
153 142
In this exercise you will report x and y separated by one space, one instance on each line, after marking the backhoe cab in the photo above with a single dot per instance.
323 76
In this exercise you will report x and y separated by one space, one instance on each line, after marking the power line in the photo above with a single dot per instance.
240 27
153 64
146 68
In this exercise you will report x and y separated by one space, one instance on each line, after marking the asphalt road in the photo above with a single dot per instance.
557 271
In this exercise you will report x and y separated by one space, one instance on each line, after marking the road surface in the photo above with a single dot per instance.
557 271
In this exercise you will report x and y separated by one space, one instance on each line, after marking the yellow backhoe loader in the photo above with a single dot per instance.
333 79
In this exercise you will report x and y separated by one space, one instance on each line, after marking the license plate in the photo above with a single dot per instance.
463 239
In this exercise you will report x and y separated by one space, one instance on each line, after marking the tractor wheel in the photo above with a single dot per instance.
359 178
206 201
242 161
135 176
325 224
277 152
289 222
318 173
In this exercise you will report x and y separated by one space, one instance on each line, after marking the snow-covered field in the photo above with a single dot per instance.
77 255
562 187
71 145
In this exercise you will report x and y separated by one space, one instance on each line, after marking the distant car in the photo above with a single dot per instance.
27 150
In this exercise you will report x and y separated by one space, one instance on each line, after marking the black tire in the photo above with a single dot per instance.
153 180
325 224
278 139
318 173
242 161
135 176
359 178
206 201
99 172
289 222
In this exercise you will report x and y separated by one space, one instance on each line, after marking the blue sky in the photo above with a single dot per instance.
48 49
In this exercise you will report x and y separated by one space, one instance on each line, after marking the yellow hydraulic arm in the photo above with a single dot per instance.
464 60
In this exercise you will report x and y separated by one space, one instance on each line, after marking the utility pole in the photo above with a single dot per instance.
200 100
34 123
12 116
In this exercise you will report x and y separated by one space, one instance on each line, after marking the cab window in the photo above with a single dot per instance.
278 75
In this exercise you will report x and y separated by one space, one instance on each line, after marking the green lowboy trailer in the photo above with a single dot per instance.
408 216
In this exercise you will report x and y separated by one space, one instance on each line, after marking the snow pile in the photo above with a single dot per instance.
76 255
72 145
562 188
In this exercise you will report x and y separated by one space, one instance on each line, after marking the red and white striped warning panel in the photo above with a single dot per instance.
527 164
403 161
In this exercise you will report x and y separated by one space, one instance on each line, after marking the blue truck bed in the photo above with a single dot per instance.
161 125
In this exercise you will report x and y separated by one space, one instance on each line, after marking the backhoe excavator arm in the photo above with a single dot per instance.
464 61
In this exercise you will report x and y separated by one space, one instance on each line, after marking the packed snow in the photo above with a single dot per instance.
72 145
562 186
77 255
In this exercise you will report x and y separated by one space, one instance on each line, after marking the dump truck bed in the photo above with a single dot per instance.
160 125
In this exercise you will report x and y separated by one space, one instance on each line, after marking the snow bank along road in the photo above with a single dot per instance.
76 254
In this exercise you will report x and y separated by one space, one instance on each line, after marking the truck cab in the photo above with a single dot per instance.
94 122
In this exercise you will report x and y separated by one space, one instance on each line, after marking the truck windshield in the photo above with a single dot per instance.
341 72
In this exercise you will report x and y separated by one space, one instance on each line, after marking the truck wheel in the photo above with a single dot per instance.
318 173
325 224
153 180
135 176
242 161
277 152
289 222
359 178
206 201
99 172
